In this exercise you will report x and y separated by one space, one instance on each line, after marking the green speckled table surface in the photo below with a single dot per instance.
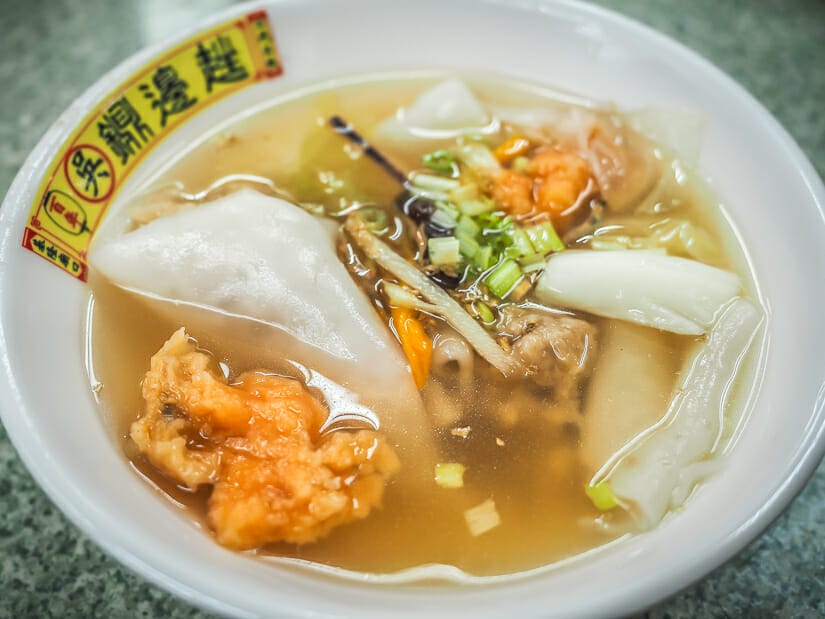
775 48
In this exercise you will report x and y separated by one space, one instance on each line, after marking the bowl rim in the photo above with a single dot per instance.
804 461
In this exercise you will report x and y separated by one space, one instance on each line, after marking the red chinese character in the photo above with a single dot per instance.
56 206
71 217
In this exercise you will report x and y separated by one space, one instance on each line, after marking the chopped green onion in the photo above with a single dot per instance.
544 238
533 263
430 182
484 313
476 207
494 222
520 164
482 518
375 220
441 161
449 209
443 218
444 250
449 474
522 246
478 157
467 244
467 226
601 495
467 191
484 258
503 278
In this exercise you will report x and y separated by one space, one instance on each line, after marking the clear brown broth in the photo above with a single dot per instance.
530 469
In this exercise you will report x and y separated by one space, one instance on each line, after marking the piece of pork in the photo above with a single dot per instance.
554 350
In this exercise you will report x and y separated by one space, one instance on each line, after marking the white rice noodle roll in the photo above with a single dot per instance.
679 131
453 358
646 287
446 110
657 472
678 237
627 393
453 364
263 262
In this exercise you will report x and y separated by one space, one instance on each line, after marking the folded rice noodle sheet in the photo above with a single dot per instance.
657 471
445 111
626 394
268 271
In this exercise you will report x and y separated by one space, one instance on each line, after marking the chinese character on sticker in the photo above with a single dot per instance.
218 61
123 130
72 219
51 252
64 259
170 93
88 170
40 244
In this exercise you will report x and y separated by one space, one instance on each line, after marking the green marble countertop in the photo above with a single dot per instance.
52 51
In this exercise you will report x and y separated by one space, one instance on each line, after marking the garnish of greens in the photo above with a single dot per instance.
470 244
468 238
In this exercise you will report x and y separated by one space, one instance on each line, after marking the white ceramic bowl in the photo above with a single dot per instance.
772 192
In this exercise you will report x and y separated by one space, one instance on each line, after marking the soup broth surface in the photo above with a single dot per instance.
527 462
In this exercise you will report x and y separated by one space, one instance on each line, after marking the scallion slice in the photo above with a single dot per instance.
478 157
483 258
430 182
520 164
476 207
522 246
449 474
441 161
503 278
544 238
443 218
444 251
484 313
467 226
467 244
467 191
601 495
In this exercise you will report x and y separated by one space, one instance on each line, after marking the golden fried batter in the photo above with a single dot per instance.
257 442
552 185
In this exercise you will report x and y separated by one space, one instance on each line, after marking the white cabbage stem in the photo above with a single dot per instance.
642 286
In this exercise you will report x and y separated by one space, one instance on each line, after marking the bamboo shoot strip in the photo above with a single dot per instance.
447 307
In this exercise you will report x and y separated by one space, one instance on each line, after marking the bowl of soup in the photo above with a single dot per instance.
302 317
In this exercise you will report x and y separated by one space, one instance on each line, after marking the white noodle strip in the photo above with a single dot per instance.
447 307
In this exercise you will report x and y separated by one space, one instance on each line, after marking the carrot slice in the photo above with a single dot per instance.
512 147
415 342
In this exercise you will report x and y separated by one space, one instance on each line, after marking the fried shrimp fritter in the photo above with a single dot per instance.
258 443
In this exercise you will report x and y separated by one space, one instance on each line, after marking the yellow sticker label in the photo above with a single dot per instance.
87 171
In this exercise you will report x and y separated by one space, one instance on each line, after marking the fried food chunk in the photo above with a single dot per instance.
553 184
258 443
513 191
560 179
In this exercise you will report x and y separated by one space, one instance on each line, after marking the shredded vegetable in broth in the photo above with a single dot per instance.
416 321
